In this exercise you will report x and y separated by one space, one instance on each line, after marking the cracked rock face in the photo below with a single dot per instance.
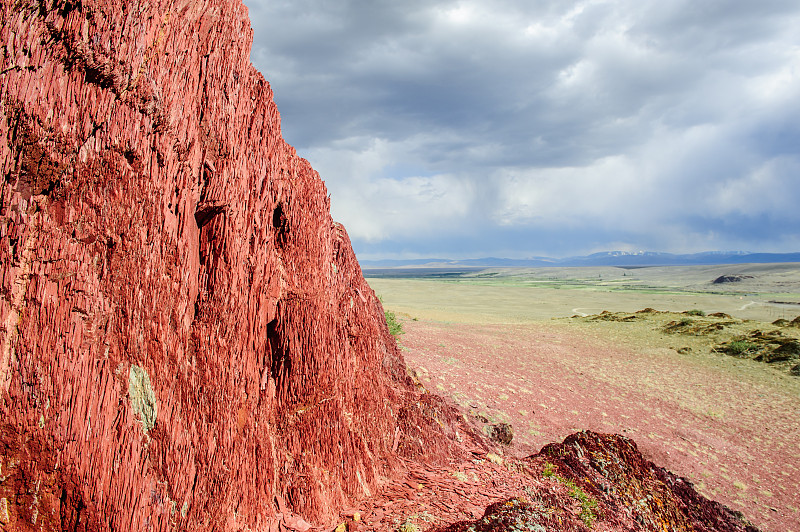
186 334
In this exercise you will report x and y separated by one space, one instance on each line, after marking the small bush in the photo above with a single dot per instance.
741 347
695 312
395 327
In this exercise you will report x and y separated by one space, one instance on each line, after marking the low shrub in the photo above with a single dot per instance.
395 327
741 347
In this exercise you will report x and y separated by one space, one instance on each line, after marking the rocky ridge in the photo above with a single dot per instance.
187 337
187 340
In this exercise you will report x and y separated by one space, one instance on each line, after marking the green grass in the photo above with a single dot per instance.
588 504
695 312
592 285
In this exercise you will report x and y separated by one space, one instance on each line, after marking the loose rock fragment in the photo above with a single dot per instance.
503 433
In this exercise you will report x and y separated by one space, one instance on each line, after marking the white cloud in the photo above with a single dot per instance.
648 124
376 208
771 189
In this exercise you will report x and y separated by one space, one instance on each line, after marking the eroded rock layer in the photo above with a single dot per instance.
187 340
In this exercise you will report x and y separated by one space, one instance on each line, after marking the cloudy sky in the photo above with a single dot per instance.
521 128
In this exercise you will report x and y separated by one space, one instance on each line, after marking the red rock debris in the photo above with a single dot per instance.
589 482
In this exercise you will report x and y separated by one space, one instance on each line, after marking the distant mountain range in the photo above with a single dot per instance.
607 258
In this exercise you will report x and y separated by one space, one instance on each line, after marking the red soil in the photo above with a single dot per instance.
728 429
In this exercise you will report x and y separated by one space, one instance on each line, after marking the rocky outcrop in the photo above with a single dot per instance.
187 340
730 279
602 481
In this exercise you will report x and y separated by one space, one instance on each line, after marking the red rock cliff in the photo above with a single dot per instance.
187 340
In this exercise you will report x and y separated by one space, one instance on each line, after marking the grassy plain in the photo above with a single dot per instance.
517 295
526 347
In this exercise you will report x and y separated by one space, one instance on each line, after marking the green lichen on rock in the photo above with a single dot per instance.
143 400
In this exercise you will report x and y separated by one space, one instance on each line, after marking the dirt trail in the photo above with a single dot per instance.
730 426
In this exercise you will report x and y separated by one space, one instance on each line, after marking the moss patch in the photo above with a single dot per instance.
143 400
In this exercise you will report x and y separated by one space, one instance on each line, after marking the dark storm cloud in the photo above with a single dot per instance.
475 124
